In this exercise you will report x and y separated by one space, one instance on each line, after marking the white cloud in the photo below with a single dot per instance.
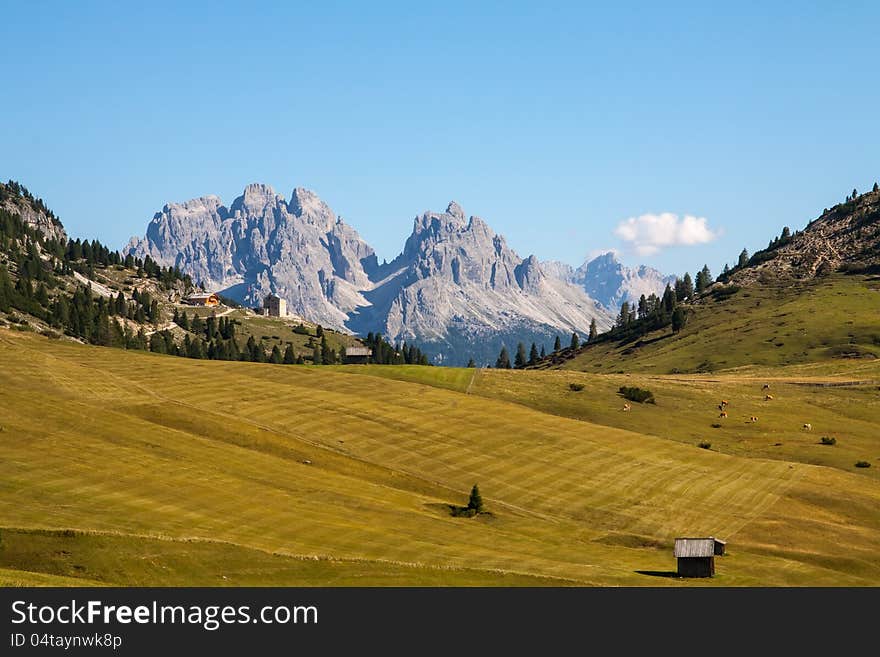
649 233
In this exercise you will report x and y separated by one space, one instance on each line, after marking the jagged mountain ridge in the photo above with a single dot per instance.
605 279
265 244
457 287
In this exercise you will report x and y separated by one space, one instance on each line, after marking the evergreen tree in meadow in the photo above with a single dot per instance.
471 363
557 344
276 357
743 259
519 360
575 340
289 357
594 331
543 352
475 502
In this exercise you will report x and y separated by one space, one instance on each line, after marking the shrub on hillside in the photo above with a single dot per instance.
576 387
721 293
863 464
828 440
705 445
715 425
636 394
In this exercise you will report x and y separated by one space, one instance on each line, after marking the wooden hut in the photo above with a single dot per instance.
696 556
358 355
206 299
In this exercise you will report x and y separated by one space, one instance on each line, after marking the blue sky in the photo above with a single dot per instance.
555 122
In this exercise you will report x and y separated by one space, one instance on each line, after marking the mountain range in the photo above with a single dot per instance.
457 288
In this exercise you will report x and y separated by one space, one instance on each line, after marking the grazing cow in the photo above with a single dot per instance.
723 414
766 386
808 426
724 402
768 397
626 407
754 418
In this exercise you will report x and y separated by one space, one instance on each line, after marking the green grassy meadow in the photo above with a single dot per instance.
121 467
828 320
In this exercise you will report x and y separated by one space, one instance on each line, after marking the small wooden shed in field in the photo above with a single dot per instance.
358 354
696 556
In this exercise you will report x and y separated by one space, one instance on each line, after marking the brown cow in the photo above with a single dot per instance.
766 386
724 402
753 419
723 414
768 397
626 407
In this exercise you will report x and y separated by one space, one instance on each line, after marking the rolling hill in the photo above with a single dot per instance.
125 467
812 296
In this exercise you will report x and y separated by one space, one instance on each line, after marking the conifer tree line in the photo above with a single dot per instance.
385 353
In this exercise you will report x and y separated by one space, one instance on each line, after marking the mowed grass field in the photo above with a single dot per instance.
133 468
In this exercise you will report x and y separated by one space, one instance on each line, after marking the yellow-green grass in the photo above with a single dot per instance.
153 449
687 410
66 558
767 325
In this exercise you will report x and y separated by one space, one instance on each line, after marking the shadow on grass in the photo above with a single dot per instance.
658 573
459 511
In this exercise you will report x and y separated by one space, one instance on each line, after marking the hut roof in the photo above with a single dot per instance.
694 547
201 295
358 351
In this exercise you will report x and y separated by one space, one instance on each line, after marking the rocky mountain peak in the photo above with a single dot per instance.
455 210
605 279
255 199
306 204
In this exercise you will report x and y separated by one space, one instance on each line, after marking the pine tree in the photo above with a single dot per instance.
471 363
328 357
475 503
503 361
289 357
316 356
876 188
276 357
668 302
679 319
743 259
543 353
533 354
594 331
704 279
623 316
519 360
575 340
688 284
